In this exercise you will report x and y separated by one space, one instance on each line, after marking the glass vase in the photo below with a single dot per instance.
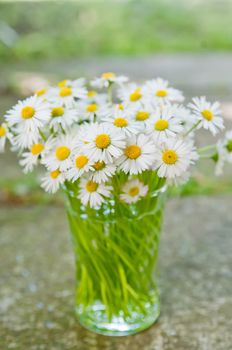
116 250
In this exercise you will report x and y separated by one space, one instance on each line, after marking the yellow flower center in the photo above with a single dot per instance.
161 125
55 173
207 114
57 112
62 152
40 92
91 186
81 161
170 157
65 91
133 191
136 95
99 165
108 75
120 122
2 131
27 112
133 151
91 93
161 93
102 141
37 148
62 83
91 108
120 106
142 115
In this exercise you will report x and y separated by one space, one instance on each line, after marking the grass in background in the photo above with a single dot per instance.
35 30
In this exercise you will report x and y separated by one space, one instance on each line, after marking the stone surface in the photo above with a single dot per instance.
37 281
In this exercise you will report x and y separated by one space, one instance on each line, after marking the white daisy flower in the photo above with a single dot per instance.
163 124
104 143
142 115
102 171
77 83
159 91
4 135
121 107
30 159
67 93
51 181
133 191
173 157
29 115
87 111
138 155
60 156
93 194
185 115
122 120
62 116
130 94
81 164
81 135
107 79
208 114
79 90
23 139
42 93
94 97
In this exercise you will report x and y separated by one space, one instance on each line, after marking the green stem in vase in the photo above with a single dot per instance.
116 251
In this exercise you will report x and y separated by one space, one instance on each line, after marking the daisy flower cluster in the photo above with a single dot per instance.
90 133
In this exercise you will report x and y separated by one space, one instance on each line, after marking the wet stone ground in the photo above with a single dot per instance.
37 281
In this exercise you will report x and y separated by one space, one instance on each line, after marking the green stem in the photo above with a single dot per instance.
207 148
203 151
116 249
192 128
109 92
42 135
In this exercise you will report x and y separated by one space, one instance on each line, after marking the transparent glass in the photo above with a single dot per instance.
116 251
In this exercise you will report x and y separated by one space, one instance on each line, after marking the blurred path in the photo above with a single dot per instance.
198 74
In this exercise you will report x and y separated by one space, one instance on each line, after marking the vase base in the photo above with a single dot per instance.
96 321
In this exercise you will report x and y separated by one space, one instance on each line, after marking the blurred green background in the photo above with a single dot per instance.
39 40
35 30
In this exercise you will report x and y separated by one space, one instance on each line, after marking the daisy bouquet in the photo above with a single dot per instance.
114 147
